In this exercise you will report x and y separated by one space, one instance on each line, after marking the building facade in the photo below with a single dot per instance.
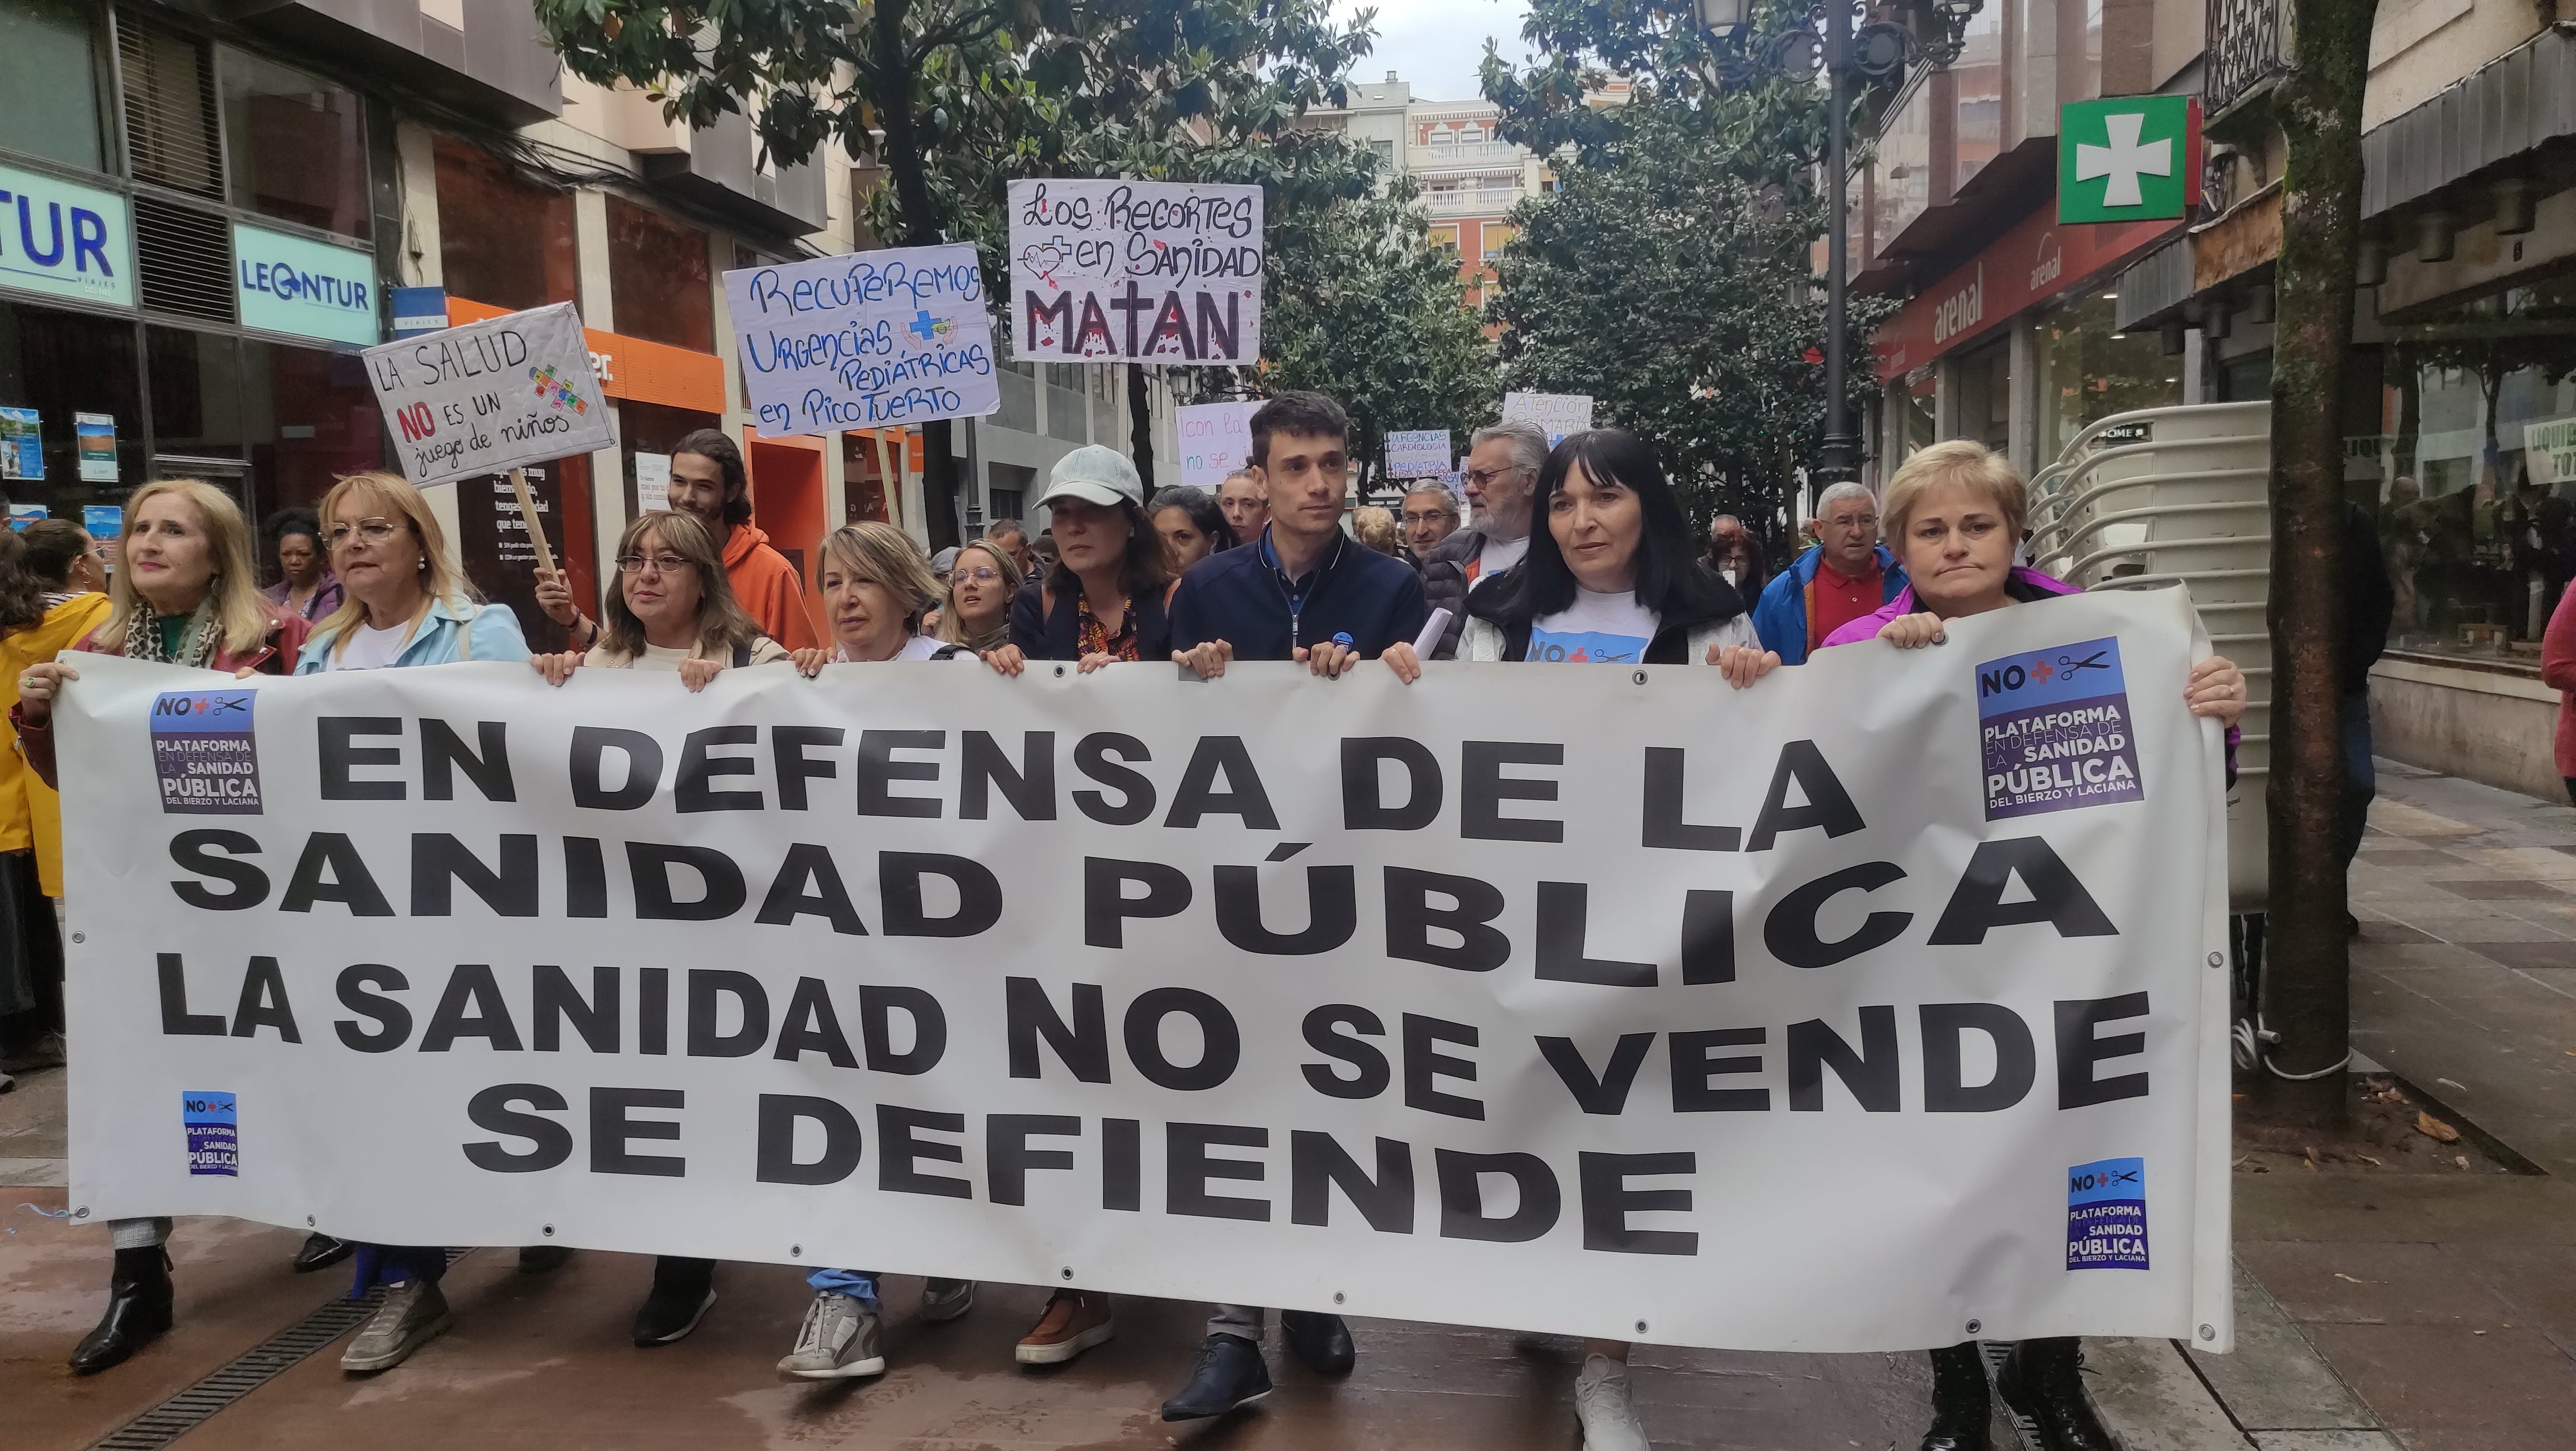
1470 177
204 221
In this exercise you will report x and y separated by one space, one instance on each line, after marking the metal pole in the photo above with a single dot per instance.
1840 458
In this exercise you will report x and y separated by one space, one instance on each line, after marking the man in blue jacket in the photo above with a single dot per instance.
1301 590
1846 575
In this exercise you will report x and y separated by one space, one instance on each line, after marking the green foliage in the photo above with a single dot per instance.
1670 280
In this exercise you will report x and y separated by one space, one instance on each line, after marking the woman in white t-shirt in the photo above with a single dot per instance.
877 587
673 609
1609 579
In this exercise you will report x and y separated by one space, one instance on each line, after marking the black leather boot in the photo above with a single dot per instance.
2043 1380
1961 1408
138 1310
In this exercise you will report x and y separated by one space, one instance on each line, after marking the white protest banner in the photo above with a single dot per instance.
1418 453
1558 413
489 396
2549 450
652 482
1216 439
865 340
1135 271
1834 1014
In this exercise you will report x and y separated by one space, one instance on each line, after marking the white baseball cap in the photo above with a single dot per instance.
1096 474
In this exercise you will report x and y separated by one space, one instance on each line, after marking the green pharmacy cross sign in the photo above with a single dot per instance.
2128 159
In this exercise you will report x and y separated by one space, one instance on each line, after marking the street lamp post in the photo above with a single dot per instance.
1828 42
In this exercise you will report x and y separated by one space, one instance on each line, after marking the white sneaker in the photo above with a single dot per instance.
1608 1412
839 1340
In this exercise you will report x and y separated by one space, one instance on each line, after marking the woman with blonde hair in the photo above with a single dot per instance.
977 611
673 609
876 588
188 595
404 603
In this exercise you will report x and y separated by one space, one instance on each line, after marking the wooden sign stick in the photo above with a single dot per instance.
528 516
889 479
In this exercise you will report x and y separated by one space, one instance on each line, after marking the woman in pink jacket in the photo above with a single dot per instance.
2558 672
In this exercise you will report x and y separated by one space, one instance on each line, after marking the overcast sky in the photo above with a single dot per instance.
1437 44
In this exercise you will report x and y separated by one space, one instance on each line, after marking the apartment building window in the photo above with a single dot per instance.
658 278
296 146
502 240
49 83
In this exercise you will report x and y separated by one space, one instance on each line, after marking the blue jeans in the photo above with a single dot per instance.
393 1264
859 1285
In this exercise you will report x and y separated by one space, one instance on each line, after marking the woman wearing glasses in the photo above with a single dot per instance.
674 609
406 605
977 611
188 595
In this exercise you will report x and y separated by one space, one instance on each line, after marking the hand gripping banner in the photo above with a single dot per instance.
1878 1006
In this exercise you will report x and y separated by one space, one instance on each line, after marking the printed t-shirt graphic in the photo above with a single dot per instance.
2054 730
1598 629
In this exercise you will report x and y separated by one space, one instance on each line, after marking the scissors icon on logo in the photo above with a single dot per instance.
2069 665
221 704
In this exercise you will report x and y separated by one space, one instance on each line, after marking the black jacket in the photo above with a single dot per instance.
2370 601
1045 633
1445 583
1671 645
1240 598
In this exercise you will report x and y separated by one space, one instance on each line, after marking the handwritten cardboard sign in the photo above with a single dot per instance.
1416 453
490 396
1216 439
1558 413
1135 271
865 340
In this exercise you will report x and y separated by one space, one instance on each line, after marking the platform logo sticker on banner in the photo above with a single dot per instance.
2106 1215
2054 728
213 1123
205 753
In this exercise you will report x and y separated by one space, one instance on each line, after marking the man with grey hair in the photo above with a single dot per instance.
1845 575
1430 515
1502 475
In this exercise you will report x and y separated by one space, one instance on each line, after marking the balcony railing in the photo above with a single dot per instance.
1463 153
1478 201
2249 43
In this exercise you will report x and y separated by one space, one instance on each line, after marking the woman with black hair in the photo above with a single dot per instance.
305 587
1192 525
1609 579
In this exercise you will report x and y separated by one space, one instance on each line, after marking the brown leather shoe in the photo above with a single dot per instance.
1075 1321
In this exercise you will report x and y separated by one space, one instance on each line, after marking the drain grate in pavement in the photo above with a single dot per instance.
254 1368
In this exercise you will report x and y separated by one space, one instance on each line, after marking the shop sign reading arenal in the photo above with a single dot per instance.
304 288
65 240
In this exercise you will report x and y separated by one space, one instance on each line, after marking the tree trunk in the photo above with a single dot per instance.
1140 424
2306 983
920 229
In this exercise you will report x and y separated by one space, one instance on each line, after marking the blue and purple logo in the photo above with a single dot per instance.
2054 730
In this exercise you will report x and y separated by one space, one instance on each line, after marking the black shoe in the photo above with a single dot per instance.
536 1259
321 1252
138 1310
1961 1408
2043 1381
1229 1374
1321 1343
683 1291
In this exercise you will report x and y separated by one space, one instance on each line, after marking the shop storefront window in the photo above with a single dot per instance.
658 279
295 418
49 83
2474 471
296 146
1984 379
502 239
653 428
197 393
2088 371
57 371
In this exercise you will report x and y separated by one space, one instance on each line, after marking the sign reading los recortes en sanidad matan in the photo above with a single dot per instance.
490 396
1135 271
865 340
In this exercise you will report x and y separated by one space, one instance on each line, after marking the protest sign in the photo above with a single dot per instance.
1558 413
1418 453
1135 271
864 340
1733 1018
489 396
1216 439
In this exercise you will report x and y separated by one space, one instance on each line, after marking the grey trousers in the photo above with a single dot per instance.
138 1233
1241 1320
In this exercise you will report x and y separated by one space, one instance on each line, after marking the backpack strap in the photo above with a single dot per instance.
741 656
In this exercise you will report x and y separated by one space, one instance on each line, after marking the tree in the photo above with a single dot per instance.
2307 975
1359 304
1669 280
953 98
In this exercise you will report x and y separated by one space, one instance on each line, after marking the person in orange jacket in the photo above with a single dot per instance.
708 482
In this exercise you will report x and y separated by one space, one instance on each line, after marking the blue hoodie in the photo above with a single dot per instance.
1780 616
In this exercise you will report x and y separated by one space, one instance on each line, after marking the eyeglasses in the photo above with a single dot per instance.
981 574
1481 477
666 563
373 531
1424 516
